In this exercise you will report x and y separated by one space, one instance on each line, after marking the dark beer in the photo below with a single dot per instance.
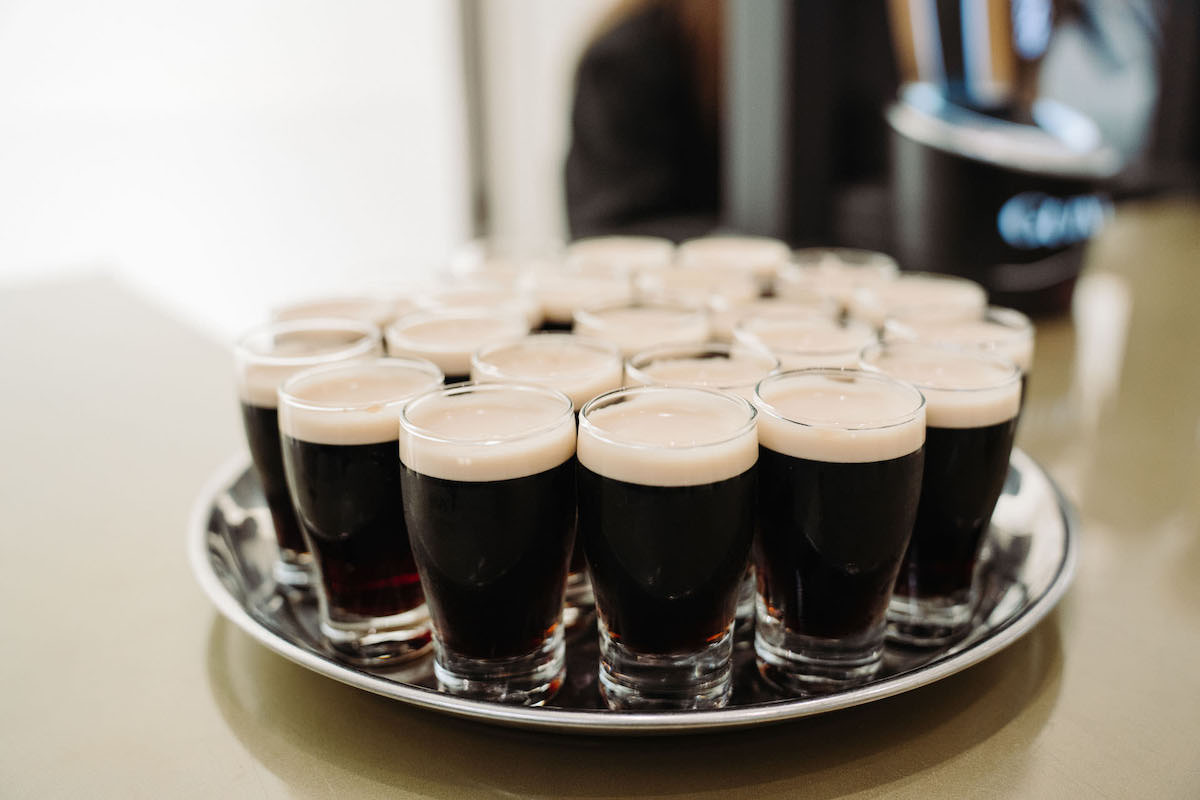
488 482
973 401
264 359
840 476
493 556
663 558
666 514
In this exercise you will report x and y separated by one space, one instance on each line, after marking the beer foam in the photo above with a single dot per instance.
660 436
578 368
698 287
761 255
483 296
487 432
807 342
726 315
561 294
358 403
449 338
829 274
1008 334
635 328
625 253
842 417
378 311
734 369
268 356
874 304
962 388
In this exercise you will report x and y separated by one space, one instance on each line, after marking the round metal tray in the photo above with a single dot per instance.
1028 562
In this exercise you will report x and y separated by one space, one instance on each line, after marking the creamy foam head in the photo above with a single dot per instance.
804 342
579 368
376 310
355 403
963 388
635 328
449 337
834 273
481 295
269 355
562 293
698 287
487 432
842 416
1006 332
627 254
726 315
732 368
955 295
760 255
668 436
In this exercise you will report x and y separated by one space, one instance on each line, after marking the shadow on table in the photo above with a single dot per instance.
304 727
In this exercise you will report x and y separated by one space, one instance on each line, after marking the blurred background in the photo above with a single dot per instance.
224 157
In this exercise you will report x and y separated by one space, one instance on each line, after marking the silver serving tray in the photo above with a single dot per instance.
1029 560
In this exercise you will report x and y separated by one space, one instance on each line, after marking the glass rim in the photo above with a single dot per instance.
589 315
287 397
1012 325
419 315
702 348
739 327
467 387
587 342
840 372
1013 372
851 257
371 338
600 433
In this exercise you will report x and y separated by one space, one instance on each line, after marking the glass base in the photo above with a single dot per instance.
528 680
698 680
747 596
379 641
929 621
579 604
801 664
294 570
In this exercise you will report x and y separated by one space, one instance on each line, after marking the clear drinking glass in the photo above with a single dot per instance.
340 428
488 479
633 328
801 342
839 479
666 514
973 399
449 336
263 359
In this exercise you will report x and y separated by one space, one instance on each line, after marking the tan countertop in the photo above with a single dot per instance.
120 680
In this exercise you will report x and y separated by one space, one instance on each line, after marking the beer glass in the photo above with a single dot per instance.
633 328
666 514
340 428
972 402
801 342
488 480
957 296
839 471
263 359
448 337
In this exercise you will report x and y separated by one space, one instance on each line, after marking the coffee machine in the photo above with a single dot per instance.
988 180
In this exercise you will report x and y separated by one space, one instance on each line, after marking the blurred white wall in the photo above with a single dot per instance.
226 155
529 52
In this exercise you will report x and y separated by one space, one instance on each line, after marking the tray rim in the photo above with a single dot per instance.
606 722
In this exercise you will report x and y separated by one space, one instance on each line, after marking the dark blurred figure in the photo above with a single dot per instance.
645 145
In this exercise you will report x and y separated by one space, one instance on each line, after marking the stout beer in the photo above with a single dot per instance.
973 400
839 479
341 430
489 500
448 337
264 359
666 491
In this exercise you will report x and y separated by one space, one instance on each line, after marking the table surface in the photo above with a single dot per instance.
121 680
